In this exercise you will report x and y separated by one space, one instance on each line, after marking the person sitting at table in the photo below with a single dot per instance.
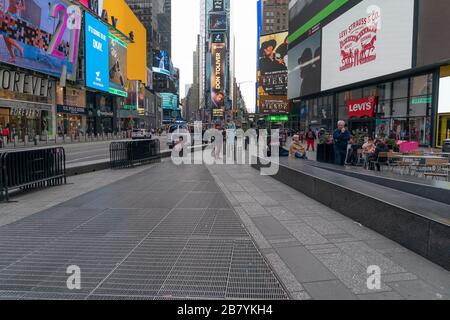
381 147
297 150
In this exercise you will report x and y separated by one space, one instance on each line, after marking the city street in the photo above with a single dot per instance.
220 232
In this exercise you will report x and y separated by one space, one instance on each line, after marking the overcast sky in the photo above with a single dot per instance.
186 26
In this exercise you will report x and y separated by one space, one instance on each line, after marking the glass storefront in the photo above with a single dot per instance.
403 111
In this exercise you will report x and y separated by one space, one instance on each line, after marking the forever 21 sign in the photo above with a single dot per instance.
25 83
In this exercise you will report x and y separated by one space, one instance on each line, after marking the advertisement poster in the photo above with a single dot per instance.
218 5
38 35
274 104
217 21
97 54
433 28
117 66
305 61
94 5
273 64
218 56
161 62
373 39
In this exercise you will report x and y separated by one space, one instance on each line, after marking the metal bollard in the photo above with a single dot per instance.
25 140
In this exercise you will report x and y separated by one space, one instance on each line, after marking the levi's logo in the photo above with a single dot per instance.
364 107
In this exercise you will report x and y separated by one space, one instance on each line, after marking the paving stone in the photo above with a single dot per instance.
418 290
243 197
281 214
300 295
284 273
271 228
349 271
381 296
305 234
266 201
322 226
398 277
357 231
329 290
367 256
303 265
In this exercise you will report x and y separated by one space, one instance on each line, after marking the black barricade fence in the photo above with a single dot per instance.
32 169
125 154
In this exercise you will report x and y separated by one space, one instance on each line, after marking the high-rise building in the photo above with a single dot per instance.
165 27
215 58
275 16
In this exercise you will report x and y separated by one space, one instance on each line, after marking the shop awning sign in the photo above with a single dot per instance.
360 108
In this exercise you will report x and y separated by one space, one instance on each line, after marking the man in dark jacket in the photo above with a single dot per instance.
341 138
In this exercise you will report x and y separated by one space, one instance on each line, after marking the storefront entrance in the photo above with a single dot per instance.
363 125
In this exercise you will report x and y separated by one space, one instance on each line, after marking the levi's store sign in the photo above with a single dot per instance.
364 107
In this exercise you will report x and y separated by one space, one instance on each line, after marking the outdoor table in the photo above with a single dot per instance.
422 159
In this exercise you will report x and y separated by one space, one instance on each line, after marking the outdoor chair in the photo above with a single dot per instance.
436 168
382 159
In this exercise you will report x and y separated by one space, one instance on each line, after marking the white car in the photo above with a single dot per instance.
140 134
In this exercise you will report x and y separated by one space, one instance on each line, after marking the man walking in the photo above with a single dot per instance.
341 138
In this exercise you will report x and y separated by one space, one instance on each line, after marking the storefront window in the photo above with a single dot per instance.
401 88
422 85
400 108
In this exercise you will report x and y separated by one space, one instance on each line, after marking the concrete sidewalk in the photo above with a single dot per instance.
317 252
219 232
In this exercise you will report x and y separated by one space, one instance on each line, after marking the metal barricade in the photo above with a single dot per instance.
32 169
125 154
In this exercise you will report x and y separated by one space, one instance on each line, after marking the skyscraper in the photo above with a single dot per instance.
215 86
275 16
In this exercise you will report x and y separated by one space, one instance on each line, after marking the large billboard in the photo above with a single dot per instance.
217 21
94 5
38 35
97 54
273 73
305 67
161 62
117 66
218 6
433 32
128 23
373 39
218 56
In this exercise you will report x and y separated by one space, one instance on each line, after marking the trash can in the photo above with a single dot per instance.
446 147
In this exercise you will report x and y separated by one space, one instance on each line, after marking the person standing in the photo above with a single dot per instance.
341 138
311 140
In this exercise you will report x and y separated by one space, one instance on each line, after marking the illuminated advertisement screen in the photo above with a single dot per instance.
218 5
433 32
97 54
305 67
273 64
217 21
218 56
161 62
373 39
94 5
117 66
38 35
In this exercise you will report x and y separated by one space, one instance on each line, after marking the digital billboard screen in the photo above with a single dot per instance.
373 39
433 32
305 67
38 35
97 54
217 21
218 6
218 56
117 66
273 64
161 62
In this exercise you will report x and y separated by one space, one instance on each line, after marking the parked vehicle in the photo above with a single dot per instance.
140 134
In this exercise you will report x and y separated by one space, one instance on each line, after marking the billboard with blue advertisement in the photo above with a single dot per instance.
97 54
40 35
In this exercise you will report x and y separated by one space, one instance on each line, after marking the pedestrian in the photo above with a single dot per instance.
341 138
311 140
6 133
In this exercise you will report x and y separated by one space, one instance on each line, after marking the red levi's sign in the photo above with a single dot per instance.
364 107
